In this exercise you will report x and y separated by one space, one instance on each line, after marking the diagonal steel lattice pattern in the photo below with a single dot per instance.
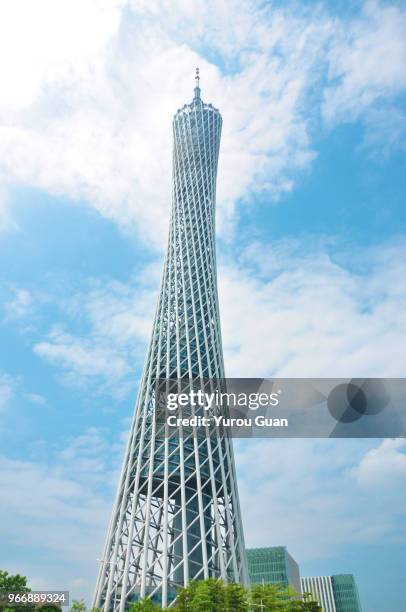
176 516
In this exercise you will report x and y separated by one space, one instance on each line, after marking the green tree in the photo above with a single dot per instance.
312 606
144 605
185 596
236 597
202 596
16 583
213 595
294 601
217 594
309 603
78 605
299 604
13 583
269 597
201 601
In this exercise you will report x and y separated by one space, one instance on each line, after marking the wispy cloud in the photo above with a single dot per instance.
117 321
70 496
383 467
58 509
367 76
7 390
19 305
366 63
35 398
91 121
12 388
323 477
306 307
82 360
292 310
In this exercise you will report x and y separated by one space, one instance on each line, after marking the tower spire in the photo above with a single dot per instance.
197 86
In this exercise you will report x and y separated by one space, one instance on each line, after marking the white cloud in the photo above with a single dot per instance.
288 310
35 398
123 312
309 499
117 319
20 305
96 124
46 44
383 467
70 496
7 390
59 509
90 120
385 133
10 388
86 456
82 360
7 224
366 67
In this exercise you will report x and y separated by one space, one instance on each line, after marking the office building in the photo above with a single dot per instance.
336 593
273 565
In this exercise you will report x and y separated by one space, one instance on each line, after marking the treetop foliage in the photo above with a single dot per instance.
213 595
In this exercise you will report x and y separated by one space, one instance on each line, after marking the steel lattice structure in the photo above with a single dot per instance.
176 514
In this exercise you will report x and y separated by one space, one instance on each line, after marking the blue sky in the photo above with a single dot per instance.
311 251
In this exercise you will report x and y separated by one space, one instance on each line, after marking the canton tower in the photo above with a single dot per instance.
176 516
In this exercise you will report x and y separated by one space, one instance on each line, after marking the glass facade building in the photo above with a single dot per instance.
345 593
177 516
273 565
321 588
336 593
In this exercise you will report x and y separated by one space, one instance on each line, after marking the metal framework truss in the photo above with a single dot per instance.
176 516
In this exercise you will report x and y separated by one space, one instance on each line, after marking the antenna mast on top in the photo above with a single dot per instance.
197 86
